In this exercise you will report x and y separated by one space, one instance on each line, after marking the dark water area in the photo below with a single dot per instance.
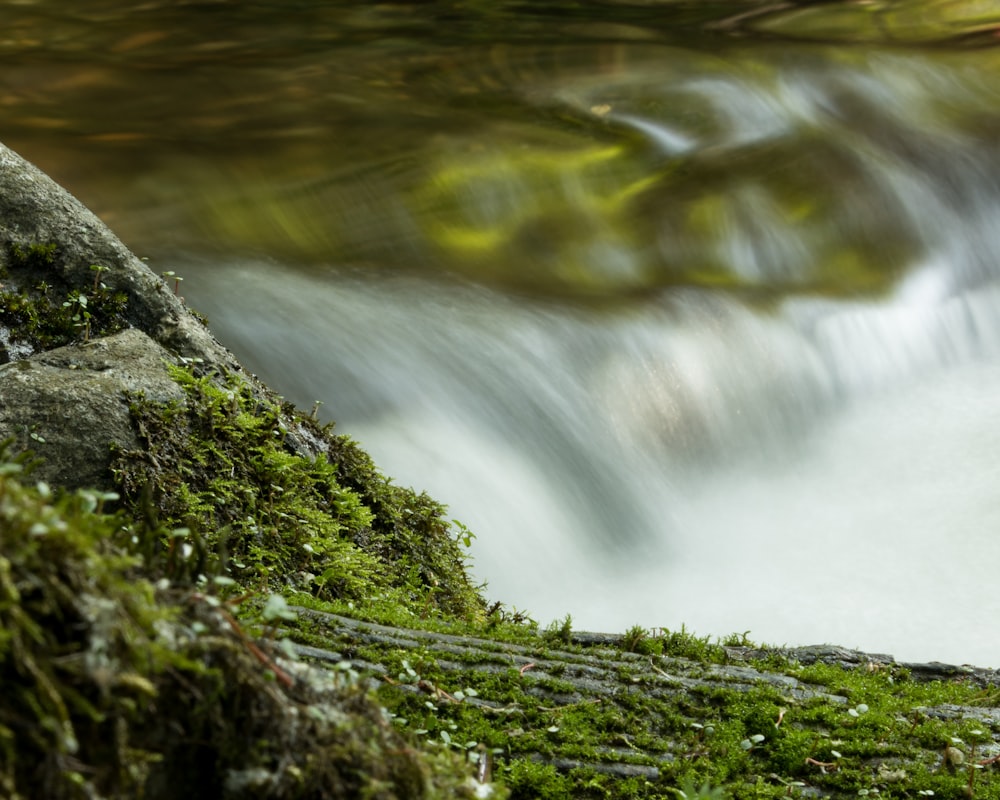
689 310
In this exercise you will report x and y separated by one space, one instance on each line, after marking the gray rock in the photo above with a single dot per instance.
70 405
34 209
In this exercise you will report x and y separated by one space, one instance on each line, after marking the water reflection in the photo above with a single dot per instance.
672 314
611 168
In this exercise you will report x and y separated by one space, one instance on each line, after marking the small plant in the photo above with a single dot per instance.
633 638
465 536
639 640
93 500
703 731
560 631
170 275
738 640
76 304
276 609
497 614
98 269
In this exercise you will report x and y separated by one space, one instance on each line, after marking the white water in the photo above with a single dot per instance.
825 472
810 470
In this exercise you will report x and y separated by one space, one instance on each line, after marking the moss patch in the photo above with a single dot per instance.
39 312
116 688
281 503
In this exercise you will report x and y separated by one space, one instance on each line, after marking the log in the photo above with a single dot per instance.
821 721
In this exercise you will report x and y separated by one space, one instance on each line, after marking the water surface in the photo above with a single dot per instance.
690 311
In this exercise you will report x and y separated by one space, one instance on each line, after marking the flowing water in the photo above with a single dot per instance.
690 311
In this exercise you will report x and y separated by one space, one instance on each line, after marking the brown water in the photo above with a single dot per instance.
690 310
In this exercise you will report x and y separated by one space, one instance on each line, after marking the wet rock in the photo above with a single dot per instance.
69 404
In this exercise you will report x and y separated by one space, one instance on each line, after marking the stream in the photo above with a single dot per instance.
690 311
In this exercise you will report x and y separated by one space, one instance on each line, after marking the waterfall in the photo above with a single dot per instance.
821 471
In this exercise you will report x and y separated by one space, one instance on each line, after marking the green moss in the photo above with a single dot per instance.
684 644
831 730
78 642
116 688
36 258
560 631
38 312
232 466
638 640
528 779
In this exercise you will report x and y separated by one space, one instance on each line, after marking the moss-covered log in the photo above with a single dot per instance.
569 714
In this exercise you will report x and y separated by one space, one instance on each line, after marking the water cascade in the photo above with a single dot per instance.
688 329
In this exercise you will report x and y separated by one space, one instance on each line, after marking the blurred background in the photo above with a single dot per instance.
689 310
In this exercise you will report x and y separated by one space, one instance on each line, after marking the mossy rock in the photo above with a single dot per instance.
275 500
124 674
49 239
118 688
103 354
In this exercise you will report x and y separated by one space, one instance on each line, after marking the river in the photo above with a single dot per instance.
690 311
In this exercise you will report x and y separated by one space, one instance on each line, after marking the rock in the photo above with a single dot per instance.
70 404
34 209
101 622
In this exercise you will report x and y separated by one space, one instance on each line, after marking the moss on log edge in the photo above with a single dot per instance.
640 715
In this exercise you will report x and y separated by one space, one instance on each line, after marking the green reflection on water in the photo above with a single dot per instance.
607 149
